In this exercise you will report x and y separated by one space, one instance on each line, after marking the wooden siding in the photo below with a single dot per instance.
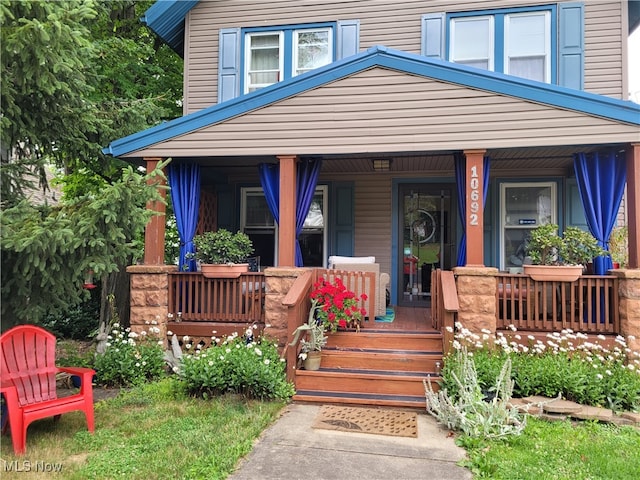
395 25
361 114
373 219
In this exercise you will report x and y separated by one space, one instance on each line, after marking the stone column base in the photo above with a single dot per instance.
477 297
150 297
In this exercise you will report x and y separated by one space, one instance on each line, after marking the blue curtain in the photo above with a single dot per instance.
306 181
601 178
461 184
184 181
270 181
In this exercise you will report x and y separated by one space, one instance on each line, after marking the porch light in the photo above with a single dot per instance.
381 164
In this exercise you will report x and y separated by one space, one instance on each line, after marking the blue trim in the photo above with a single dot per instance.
500 11
499 43
294 26
546 94
166 18
555 58
287 31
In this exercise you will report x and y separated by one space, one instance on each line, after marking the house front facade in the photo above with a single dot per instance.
439 133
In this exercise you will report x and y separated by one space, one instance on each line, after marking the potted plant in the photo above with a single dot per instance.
619 246
548 252
312 343
222 254
338 307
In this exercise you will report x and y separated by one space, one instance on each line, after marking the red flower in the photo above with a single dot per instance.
339 307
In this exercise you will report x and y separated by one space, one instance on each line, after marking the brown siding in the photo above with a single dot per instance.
393 24
417 115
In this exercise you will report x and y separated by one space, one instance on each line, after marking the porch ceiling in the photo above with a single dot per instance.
505 162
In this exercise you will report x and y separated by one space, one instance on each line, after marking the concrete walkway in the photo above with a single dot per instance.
290 449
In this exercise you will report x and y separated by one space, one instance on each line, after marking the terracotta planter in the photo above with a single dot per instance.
312 362
225 270
553 273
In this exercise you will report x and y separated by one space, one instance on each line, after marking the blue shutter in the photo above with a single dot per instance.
348 38
571 45
342 220
229 64
432 36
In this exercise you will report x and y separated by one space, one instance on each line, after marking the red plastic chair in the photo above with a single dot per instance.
28 382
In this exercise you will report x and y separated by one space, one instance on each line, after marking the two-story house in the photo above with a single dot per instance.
429 134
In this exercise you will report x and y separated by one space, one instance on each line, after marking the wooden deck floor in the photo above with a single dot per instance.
413 319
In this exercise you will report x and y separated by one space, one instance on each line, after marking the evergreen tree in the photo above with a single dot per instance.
76 75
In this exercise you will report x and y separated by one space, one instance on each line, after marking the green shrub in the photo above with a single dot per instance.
77 323
130 358
237 365
566 364
74 353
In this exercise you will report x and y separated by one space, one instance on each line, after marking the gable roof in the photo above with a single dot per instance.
551 95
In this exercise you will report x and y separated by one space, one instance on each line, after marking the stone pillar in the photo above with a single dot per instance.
477 297
629 297
150 296
278 282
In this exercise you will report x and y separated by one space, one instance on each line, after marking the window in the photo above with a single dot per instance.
528 46
515 42
524 206
312 49
258 223
265 59
472 42
277 54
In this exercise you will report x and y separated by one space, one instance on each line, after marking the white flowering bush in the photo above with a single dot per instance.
236 364
130 358
565 364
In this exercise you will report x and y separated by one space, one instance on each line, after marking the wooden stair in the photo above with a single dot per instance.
373 367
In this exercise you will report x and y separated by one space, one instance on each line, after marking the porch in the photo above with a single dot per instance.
385 363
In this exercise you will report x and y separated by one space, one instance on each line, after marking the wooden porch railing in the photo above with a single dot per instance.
298 302
201 306
198 298
590 304
444 305
356 281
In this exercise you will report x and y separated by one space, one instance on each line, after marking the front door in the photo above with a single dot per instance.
427 239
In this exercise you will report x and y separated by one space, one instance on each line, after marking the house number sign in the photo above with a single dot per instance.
474 184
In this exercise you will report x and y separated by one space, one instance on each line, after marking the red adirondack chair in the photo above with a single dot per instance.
28 382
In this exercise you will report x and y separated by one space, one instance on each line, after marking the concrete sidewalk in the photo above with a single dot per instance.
290 449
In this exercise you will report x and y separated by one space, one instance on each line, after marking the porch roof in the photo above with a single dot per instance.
552 96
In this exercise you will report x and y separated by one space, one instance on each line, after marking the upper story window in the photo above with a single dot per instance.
276 54
516 42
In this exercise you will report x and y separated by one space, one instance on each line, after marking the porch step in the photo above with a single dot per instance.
379 368
376 359
382 339
406 401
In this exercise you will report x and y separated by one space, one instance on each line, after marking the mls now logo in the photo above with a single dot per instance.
28 466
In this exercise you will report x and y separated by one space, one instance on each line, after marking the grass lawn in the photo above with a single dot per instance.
152 432
559 451
156 432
